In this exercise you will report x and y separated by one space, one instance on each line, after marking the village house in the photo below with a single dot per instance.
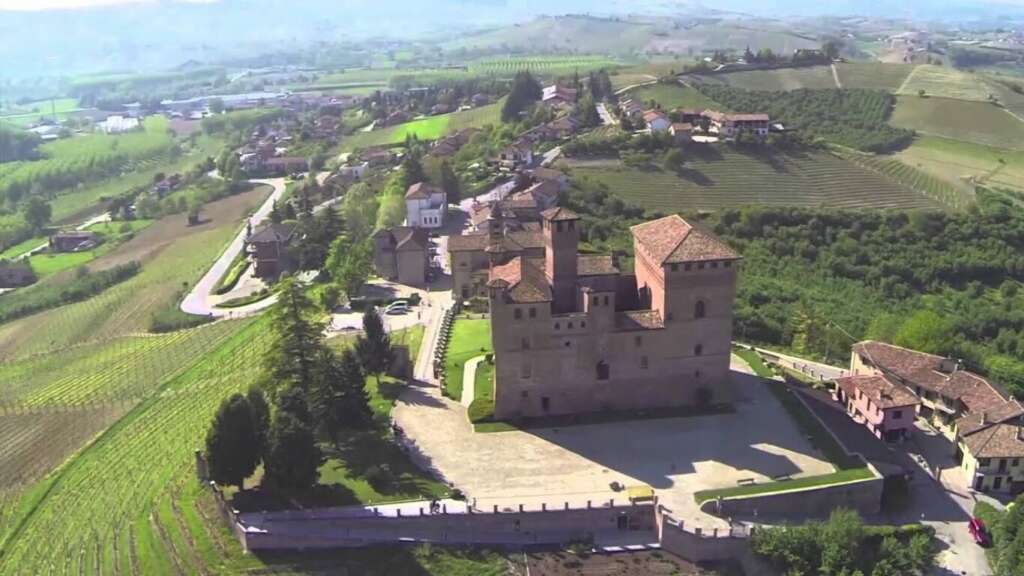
732 125
268 248
283 165
401 254
572 334
982 422
691 116
632 109
558 96
469 253
517 155
377 157
451 144
479 100
426 206
16 274
355 171
73 241
681 132
657 121
884 407
543 174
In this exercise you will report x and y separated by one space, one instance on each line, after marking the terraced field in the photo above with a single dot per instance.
979 122
727 178
931 186
963 164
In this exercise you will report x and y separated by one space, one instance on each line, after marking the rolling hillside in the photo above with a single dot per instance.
723 177
972 121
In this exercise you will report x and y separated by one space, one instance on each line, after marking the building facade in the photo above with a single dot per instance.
402 254
426 206
268 248
983 423
885 408
572 334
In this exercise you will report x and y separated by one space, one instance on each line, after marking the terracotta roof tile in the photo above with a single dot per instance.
523 279
595 265
638 320
421 191
671 239
997 441
882 391
467 242
558 214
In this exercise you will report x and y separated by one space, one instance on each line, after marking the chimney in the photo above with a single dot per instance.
984 417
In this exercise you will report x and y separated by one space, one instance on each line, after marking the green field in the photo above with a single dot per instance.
430 128
725 178
964 164
945 82
873 75
978 122
674 96
906 174
816 77
25 114
541 65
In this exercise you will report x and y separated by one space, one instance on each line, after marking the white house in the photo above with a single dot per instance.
425 206
357 171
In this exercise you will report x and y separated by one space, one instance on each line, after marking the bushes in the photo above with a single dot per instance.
173 319
43 297
481 410
380 476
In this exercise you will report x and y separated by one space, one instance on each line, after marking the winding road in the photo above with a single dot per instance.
197 301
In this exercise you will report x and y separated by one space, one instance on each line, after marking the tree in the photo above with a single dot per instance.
359 210
831 49
37 213
330 297
293 458
525 91
233 443
341 401
349 264
374 346
412 171
450 183
260 411
926 331
275 214
216 105
293 359
586 112
293 400
673 160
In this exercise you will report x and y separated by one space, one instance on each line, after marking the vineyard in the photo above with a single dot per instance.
978 122
963 163
541 65
935 188
675 96
727 179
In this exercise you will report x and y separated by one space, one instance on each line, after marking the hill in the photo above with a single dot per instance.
869 75
430 128
674 96
963 163
722 177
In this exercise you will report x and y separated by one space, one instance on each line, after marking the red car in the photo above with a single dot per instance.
977 529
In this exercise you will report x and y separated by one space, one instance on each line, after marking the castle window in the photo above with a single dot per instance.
518 314
569 326
687 266
572 225
533 312
696 373
603 370
698 349
526 371
714 264
638 341
675 267
568 344
668 317
524 394
605 300
643 362
700 265
597 301
727 264
526 343
699 309
558 325
583 324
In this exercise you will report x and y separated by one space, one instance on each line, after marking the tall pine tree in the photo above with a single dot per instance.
374 347
294 357
340 401
450 183
233 442
293 458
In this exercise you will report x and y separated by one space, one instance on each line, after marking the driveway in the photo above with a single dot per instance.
675 456
606 117
493 195
198 300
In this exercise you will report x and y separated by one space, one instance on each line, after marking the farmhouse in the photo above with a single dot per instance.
73 241
401 254
983 424
517 155
633 109
572 334
657 121
558 96
732 125
282 165
681 132
356 171
425 205
268 249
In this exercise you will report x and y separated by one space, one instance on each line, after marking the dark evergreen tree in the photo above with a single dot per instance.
525 91
412 171
294 357
233 443
294 400
450 183
340 401
374 347
293 458
260 410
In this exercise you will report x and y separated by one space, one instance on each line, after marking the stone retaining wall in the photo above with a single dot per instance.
864 496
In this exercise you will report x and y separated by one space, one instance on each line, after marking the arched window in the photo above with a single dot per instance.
603 370
698 309
698 349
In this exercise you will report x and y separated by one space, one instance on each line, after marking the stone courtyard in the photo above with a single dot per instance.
675 456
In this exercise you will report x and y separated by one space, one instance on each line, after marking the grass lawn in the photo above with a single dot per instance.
25 114
120 226
19 249
470 338
978 122
430 128
814 77
674 96
962 163
851 475
722 176
813 429
46 264
873 75
755 361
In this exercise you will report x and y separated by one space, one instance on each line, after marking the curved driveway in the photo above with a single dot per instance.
197 301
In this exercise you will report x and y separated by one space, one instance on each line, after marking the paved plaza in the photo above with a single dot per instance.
675 456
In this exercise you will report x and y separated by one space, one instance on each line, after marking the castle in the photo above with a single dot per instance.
572 334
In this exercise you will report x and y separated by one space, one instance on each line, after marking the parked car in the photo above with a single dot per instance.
978 531
397 307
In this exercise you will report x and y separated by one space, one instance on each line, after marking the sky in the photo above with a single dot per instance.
38 5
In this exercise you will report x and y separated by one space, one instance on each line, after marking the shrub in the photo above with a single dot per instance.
173 319
380 476
481 410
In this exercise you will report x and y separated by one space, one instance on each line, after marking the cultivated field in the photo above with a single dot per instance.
873 75
430 128
725 178
674 96
542 65
963 163
817 77
929 185
978 122
26 114
945 82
